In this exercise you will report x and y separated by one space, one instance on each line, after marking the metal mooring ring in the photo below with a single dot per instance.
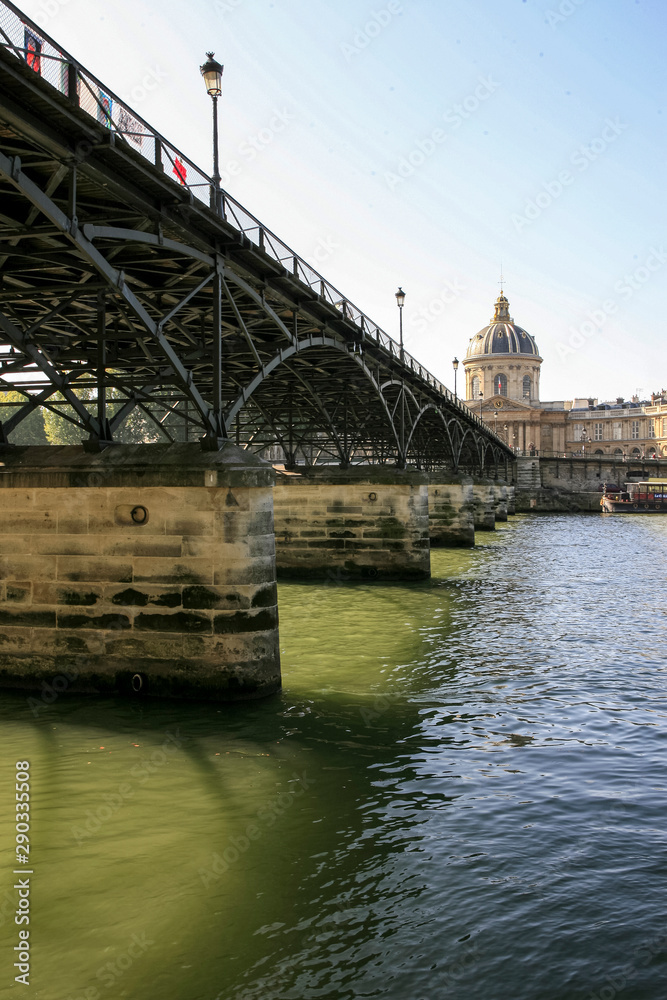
139 515
137 683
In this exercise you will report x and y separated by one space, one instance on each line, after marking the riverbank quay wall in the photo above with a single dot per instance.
142 569
359 523
546 483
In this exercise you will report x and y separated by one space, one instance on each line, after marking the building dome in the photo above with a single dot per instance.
502 336
502 360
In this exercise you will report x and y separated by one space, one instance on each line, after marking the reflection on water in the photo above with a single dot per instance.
458 793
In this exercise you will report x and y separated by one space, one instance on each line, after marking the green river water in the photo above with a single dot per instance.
459 793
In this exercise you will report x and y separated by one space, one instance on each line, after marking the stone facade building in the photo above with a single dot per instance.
502 378
631 429
502 373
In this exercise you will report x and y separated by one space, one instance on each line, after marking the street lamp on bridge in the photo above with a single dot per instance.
400 299
212 73
455 366
481 402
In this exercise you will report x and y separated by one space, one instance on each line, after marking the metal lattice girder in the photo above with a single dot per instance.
116 276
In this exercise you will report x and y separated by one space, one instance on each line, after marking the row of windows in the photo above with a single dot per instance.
500 386
617 431
636 452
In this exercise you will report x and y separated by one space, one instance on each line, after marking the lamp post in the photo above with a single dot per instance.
507 442
455 366
495 422
584 439
400 299
212 73
481 401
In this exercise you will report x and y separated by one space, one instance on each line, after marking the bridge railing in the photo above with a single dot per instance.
20 36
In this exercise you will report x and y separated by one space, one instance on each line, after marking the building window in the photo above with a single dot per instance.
475 387
651 428
599 451
526 386
618 451
618 432
636 451
597 432
500 385
635 430
578 431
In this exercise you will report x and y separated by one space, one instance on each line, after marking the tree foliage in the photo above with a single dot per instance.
31 430
43 426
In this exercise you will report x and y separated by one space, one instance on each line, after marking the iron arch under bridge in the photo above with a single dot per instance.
129 286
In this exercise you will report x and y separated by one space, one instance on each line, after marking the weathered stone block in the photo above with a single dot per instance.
256 570
29 618
28 567
192 522
140 545
157 570
18 593
246 621
59 544
217 598
28 522
67 620
92 568
54 594
178 621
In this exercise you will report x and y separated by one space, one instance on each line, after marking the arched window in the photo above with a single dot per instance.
599 451
526 386
618 451
475 387
500 385
636 451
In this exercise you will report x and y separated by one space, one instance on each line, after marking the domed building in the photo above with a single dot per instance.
502 373
503 360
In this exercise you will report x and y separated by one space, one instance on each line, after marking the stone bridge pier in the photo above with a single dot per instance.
142 569
451 509
484 500
360 523
501 501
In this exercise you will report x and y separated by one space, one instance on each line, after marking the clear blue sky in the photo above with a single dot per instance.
419 143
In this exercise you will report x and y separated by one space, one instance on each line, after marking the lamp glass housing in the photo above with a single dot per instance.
212 73
400 298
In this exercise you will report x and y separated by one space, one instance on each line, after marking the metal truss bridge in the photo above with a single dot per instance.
127 289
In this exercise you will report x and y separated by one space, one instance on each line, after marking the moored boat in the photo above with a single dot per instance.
649 496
